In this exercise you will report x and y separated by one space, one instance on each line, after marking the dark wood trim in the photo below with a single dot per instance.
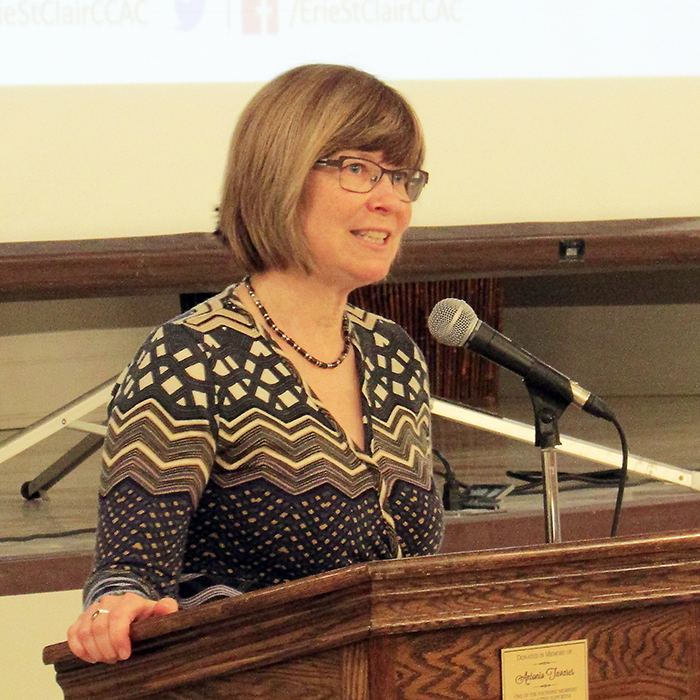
191 262
199 262
44 573
500 250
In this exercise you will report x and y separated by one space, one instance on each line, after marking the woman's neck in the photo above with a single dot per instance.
304 308
300 299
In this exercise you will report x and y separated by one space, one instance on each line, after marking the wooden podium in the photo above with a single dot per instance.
426 629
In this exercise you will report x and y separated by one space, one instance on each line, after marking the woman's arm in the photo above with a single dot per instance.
157 458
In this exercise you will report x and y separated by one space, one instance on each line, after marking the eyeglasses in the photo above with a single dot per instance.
361 175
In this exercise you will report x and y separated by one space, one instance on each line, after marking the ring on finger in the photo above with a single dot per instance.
98 611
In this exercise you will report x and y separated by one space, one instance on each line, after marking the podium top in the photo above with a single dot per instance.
394 597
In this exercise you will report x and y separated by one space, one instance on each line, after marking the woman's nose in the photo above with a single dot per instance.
384 194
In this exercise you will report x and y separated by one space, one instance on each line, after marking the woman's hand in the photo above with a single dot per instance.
101 633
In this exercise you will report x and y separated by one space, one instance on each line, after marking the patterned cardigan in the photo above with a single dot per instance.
224 473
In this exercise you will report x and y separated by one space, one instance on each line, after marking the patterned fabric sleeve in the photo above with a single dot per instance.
158 456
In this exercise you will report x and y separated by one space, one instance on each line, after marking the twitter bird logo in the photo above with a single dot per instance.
189 12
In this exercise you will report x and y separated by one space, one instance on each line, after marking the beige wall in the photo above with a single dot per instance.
51 352
639 350
94 162
28 623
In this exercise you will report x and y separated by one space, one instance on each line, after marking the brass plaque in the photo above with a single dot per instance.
546 672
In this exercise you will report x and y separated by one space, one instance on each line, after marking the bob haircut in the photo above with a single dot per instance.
305 114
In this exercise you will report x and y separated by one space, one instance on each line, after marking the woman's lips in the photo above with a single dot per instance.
371 235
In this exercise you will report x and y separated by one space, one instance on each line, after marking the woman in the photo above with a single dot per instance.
275 431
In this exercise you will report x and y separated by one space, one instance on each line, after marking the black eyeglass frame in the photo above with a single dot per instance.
339 163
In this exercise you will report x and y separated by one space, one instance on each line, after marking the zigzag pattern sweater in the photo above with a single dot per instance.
224 473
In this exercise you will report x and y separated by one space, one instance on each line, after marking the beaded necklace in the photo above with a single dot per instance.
296 346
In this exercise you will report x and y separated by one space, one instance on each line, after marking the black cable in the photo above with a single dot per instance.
600 478
456 495
451 484
534 479
623 477
49 535
448 475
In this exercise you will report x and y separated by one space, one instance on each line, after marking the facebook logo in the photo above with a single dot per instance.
259 16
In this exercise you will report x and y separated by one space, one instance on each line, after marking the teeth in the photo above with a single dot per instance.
372 236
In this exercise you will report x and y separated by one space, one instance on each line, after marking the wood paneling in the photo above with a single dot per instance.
189 262
534 248
44 573
632 654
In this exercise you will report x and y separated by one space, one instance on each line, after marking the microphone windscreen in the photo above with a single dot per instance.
452 322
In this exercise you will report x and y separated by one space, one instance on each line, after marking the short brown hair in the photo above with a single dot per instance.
307 113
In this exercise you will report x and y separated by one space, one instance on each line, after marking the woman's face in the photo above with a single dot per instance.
353 237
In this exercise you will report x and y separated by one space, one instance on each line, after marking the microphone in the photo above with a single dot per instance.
454 322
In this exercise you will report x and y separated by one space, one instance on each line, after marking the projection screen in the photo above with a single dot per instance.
115 114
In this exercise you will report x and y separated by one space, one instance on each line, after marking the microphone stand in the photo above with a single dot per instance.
548 409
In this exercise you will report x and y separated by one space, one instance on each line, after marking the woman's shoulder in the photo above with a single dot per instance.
220 310
217 322
219 313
